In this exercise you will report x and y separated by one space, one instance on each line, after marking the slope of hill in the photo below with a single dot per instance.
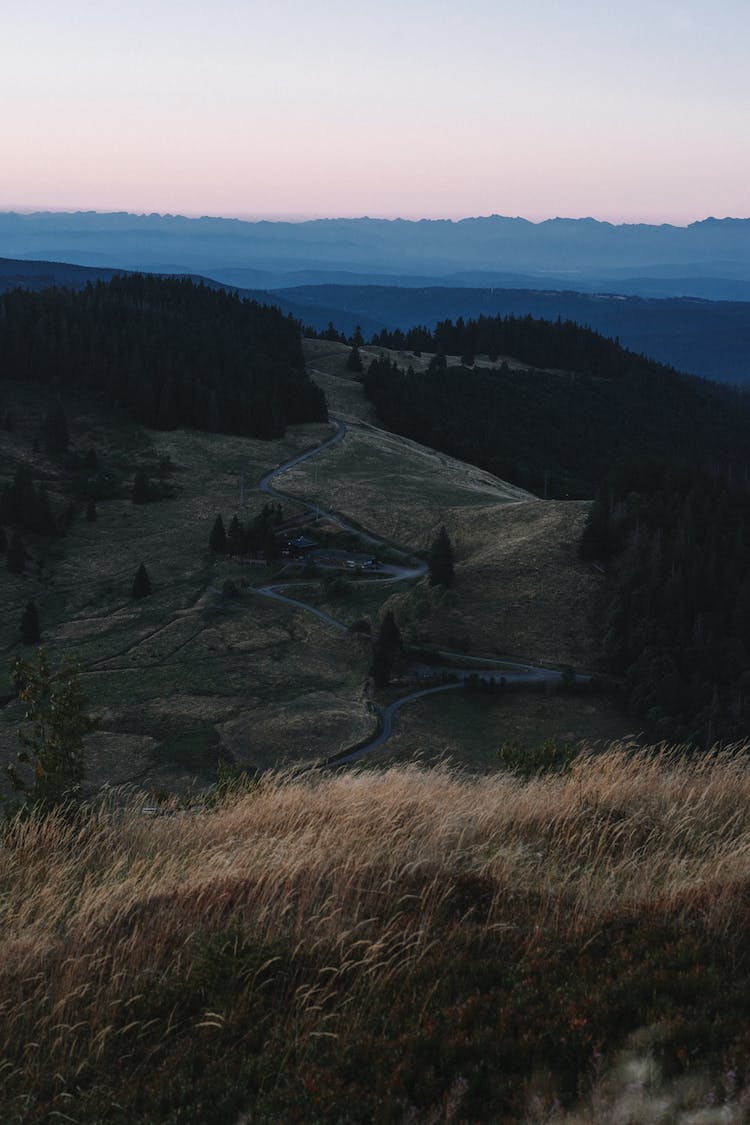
404 946
707 338
558 430
185 677
172 352
521 588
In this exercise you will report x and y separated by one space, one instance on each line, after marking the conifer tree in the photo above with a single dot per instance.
235 537
3 541
91 510
52 742
141 487
217 540
43 521
440 561
141 583
55 427
30 625
354 362
16 557
271 548
386 651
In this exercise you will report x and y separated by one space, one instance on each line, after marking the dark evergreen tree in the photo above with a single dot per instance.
380 668
91 510
674 611
141 493
55 429
141 583
440 560
217 540
18 503
57 721
43 519
354 362
235 537
30 625
16 557
3 541
387 650
271 548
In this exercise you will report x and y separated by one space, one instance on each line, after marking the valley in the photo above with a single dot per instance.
187 678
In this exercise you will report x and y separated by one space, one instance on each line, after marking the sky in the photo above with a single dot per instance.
635 110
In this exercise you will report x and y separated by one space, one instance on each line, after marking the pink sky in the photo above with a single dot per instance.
628 112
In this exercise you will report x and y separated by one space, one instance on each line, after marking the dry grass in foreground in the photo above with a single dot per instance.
406 946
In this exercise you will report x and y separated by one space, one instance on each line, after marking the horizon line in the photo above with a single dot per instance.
297 218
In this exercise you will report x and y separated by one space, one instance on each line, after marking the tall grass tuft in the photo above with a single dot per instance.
370 946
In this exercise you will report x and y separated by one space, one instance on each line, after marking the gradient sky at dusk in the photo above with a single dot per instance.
629 110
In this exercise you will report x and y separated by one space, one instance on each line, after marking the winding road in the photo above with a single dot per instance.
509 671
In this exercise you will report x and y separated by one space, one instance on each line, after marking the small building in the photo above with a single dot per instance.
301 547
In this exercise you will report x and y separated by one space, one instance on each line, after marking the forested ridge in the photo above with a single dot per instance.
562 344
675 614
171 352
557 430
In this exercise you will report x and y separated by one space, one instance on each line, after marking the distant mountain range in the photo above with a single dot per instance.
708 338
708 259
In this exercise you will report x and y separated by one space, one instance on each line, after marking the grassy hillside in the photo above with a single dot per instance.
186 678
588 405
379 948
521 588
183 677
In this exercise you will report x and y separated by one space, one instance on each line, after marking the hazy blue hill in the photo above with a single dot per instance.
40 275
577 252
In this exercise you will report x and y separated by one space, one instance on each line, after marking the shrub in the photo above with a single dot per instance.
141 583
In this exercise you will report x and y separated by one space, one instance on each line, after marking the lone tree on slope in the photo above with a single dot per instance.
30 625
440 561
16 557
141 583
52 741
354 362
386 651
217 540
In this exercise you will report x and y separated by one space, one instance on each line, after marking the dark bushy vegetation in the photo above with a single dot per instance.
555 433
675 617
26 505
440 560
387 651
30 625
171 352
254 538
141 583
